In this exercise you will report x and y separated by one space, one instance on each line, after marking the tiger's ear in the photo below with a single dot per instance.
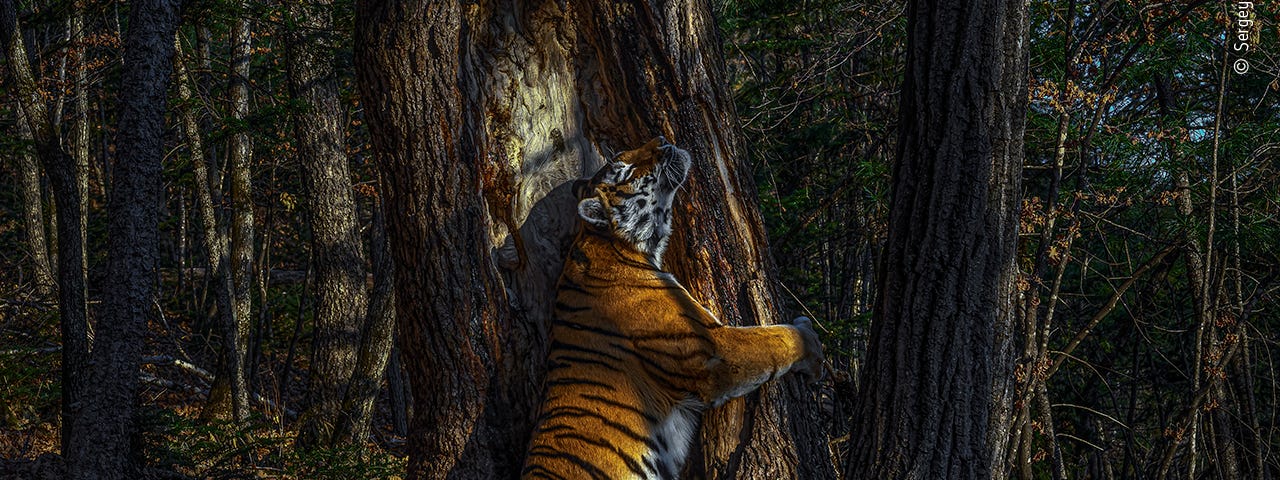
592 210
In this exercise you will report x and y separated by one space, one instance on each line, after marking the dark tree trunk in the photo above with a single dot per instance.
66 180
925 401
340 370
107 421
229 395
450 307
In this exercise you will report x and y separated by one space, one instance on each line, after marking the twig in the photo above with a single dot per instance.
1106 309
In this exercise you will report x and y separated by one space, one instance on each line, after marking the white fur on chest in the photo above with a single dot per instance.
671 439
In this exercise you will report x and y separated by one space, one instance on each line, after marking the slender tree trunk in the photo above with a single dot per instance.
341 300
376 339
65 178
933 360
107 421
450 306
79 138
215 237
229 396
33 212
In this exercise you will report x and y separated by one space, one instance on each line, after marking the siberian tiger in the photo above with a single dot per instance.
634 359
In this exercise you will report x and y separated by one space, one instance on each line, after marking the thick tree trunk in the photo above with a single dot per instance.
66 181
342 306
229 395
554 88
450 307
107 422
927 389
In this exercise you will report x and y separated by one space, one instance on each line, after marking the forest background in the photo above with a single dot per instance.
1146 315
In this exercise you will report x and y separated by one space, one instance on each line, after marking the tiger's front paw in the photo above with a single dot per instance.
810 365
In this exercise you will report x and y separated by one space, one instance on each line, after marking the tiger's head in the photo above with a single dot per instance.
630 198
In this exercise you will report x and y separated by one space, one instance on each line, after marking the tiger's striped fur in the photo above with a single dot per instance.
634 359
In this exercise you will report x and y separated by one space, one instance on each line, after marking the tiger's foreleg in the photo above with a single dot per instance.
746 357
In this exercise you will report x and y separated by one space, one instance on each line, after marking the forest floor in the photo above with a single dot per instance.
176 442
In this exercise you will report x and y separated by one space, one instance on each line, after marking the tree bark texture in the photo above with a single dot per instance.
229 395
66 180
925 401
33 211
341 299
1008 125
450 305
107 421
79 134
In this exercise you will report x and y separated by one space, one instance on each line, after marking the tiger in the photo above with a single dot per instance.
633 358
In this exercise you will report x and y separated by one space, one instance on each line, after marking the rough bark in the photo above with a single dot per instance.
107 421
229 395
927 385
1008 123
66 180
450 307
341 299
557 86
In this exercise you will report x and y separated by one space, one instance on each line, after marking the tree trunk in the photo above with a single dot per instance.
450 307
555 87
927 388
33 212
66 180
229 395
206 196
341 300
375 340
79 138
107 422
1007 128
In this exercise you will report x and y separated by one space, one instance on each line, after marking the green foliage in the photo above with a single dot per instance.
813 83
